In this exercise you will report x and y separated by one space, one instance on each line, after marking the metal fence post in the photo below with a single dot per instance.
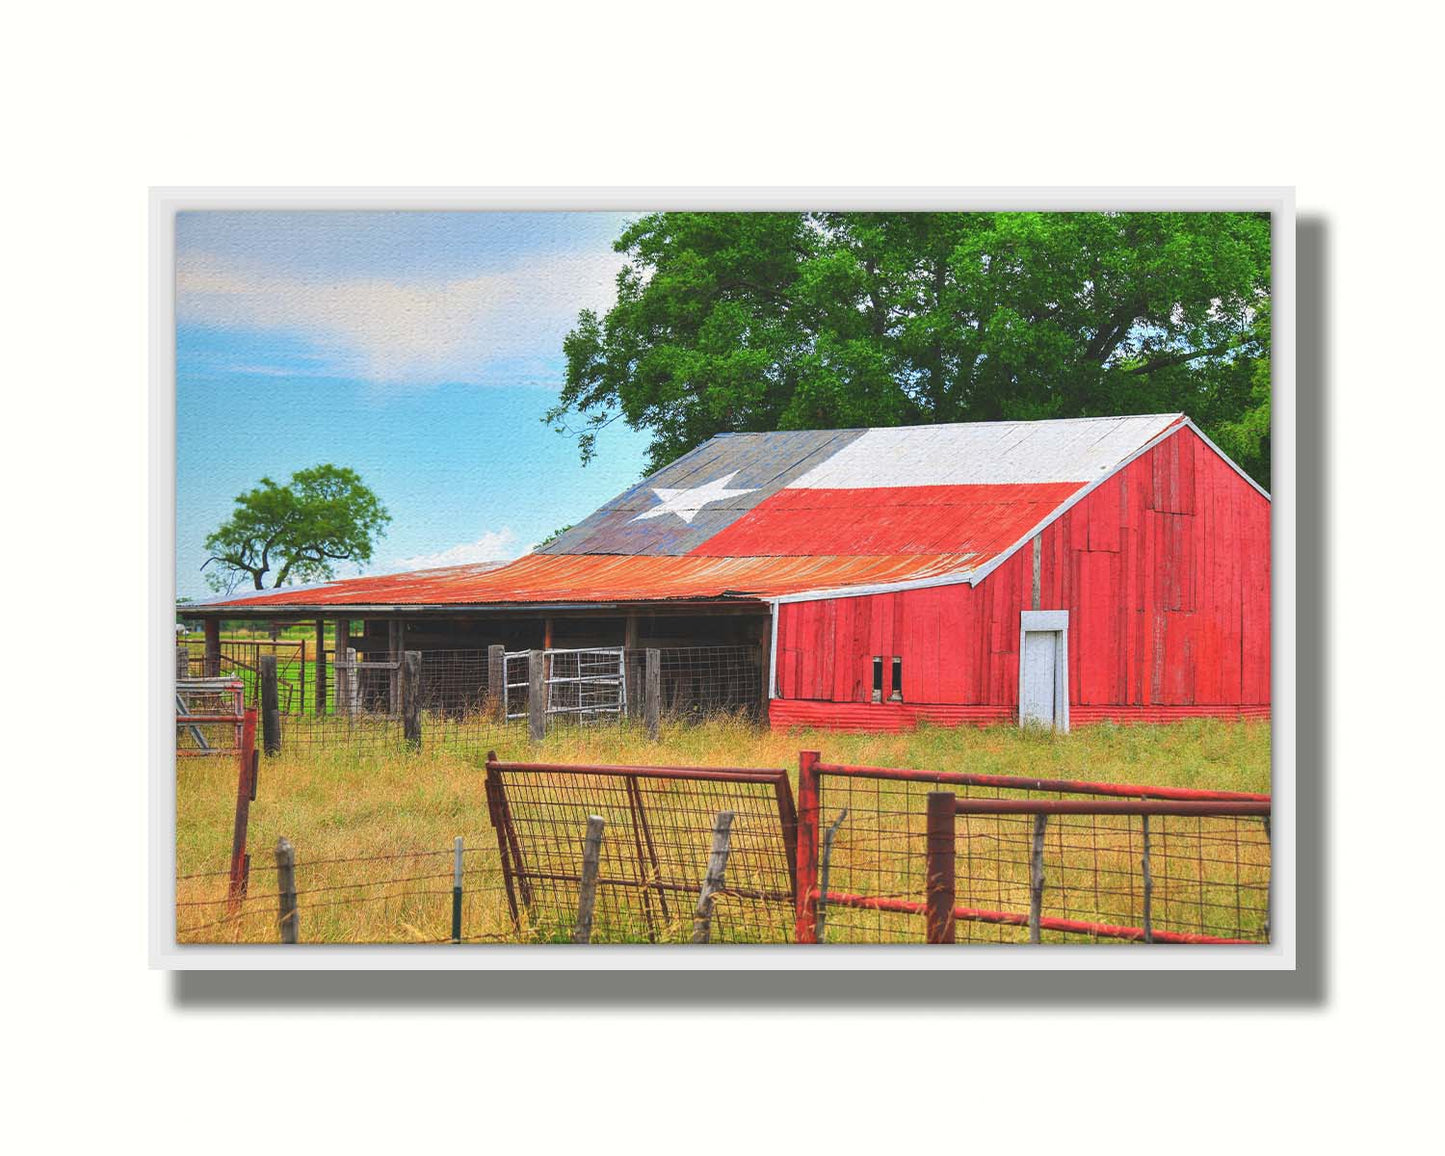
806 900
457 890
939 869
288 917
536 695
497 682
820 931
1036 877
1148 877
652 692
587 888
270 706
713 882
411 698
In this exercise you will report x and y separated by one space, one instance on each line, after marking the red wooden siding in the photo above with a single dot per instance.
1164 570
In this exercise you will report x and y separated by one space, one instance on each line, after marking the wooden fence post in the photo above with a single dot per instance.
652 692
587 890
497 682
344 675
820 931
353 689
270 706
320 666
1036 878
183 661
394 635
245 781
212 663
286 890
411 698
536 695
939 869
804 915
457 890
713 882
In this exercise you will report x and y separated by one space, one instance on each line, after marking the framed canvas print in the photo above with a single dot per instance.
639 578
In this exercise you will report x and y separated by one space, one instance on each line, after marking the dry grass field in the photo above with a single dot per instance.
373 825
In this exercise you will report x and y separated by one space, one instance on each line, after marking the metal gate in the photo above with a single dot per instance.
587 683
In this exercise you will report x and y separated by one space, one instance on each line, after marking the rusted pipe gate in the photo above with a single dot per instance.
935 904
532 807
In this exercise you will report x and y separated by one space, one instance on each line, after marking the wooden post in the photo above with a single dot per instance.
286 890
497 682
457 890
1148 885
411 698
245 778
270 708
631 638
1036 878
587 889
354 683
652 692
713 882
183 661
321 666
820 932
804 921
213 648
344 676
941 850
536 695
394 634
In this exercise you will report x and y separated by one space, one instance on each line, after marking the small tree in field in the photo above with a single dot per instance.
296 532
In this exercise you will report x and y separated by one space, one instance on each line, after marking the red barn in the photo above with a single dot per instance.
1059 572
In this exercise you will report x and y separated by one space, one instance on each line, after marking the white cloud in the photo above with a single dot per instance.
493 546
392 331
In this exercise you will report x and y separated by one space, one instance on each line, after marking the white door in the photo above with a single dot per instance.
1039 678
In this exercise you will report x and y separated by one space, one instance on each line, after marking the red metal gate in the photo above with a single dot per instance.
1209 851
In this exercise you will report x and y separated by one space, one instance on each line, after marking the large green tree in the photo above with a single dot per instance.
296 532
762 321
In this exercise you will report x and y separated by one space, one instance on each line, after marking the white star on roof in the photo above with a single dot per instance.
687 504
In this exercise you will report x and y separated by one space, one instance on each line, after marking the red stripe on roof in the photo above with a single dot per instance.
975 520
614 578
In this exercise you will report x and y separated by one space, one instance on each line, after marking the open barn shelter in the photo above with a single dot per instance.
1054 572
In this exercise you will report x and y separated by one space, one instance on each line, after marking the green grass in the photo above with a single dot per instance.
336 802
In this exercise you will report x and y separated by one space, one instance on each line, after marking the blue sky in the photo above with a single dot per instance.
420 349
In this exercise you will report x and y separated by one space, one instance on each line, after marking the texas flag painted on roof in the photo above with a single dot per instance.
765 515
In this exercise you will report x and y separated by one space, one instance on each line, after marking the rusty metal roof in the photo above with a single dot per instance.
777 515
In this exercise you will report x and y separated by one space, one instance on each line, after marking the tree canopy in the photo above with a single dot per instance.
763 321
296 532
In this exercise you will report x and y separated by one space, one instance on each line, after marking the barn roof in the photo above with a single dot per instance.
792 514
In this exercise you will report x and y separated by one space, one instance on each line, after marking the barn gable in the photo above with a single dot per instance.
1162 566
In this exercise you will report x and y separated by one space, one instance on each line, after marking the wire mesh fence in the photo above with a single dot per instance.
697 681
654 856
1210 874
463 698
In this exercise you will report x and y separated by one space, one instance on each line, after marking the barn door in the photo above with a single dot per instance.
1043 669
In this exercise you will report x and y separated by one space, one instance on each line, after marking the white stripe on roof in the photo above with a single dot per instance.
987 453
